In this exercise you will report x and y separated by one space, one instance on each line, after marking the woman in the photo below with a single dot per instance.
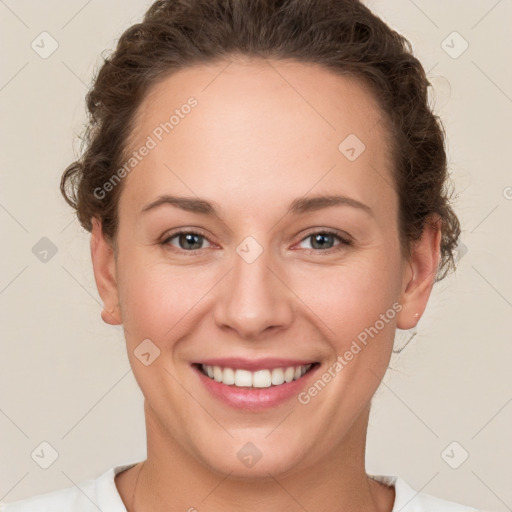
264 186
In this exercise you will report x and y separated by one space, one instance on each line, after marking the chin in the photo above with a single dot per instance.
249 460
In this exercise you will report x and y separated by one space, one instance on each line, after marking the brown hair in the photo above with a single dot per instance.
342 35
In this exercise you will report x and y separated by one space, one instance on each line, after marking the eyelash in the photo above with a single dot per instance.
344 242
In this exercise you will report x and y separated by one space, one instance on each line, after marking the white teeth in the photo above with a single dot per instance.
242 377
289 374
257 379
217 373
277 376
228 376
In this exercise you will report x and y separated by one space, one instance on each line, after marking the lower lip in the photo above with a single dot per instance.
255 399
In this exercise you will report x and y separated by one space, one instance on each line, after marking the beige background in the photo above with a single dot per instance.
64 375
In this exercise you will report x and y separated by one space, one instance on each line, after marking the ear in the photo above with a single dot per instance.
419 274
104 265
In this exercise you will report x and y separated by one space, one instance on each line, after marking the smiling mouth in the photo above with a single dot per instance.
264 378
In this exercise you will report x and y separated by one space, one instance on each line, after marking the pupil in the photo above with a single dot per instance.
319 238
189 239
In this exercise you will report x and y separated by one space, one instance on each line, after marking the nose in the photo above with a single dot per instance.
254 298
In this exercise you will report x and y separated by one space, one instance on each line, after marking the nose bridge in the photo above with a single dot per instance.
253 297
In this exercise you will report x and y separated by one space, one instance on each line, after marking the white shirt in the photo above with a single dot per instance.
102 494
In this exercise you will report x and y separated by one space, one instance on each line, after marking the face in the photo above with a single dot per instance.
265 274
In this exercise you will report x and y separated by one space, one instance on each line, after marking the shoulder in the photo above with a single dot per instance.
408 499
87 496
56 501
101 493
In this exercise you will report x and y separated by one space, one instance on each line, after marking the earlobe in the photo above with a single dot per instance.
419 275
104 266
111 317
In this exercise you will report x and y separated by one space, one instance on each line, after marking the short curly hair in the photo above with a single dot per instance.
344 36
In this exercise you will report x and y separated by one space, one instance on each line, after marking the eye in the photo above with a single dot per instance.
321 241
187 240
324 241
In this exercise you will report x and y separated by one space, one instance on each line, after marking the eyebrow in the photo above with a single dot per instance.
297 206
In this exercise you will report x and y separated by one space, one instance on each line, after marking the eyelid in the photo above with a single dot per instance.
344 238
342 235
188 231
345 241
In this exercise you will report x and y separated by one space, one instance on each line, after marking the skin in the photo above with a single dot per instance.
263 134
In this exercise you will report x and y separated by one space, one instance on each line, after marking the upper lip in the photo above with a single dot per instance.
254 364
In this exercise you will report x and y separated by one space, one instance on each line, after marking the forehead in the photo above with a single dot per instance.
260 125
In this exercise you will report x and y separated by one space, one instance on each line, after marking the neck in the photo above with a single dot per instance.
173 479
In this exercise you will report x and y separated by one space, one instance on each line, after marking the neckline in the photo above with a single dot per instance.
402 490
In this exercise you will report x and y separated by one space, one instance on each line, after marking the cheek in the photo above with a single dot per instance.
162 301
156 297
349 298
